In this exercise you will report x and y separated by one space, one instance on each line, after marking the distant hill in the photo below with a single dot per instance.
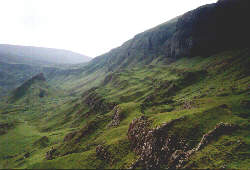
31 90
39 55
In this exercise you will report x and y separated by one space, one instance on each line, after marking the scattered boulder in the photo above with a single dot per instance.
102 153
4 127
224 106
26 155
42 93
117 117
8 156
69 136
187 105
176 158
245 103
42 142
97 104
50 154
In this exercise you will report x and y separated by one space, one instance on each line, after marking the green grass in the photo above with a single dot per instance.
216 81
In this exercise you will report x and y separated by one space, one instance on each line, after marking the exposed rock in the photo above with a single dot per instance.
4 127
103 154
38 77
137 131
42 142
117 117
201 32
2 132
43 93
220 129
224 106
97 103
245 103
147 102
8 156
215 26
187 105
26 155
69 136
179 159
156 147
50 154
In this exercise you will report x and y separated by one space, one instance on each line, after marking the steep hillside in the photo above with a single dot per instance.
161 100
202 103
13 75
202 32
39 56
32 90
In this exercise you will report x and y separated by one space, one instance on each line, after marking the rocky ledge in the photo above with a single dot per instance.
116 118
156 147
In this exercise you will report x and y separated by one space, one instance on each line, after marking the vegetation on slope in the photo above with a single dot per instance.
132 105
216 90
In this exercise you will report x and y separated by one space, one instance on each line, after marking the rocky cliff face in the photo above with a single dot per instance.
203 31
157 148
211 28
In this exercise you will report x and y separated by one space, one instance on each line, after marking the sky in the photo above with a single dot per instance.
90 27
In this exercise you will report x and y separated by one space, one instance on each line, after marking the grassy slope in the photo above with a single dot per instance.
216 80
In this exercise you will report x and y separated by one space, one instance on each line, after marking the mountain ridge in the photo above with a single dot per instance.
181 37
39 55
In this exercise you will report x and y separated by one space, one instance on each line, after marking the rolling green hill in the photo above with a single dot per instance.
174 96
20 63
38 56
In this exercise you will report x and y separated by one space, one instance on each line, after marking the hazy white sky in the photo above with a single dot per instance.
91 27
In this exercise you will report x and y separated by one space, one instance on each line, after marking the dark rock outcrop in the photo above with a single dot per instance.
211 28
102 153
4 127
26 155
69 136
180 158
50 154
117 117
42 142
204 31
220 129
156 147
97 103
